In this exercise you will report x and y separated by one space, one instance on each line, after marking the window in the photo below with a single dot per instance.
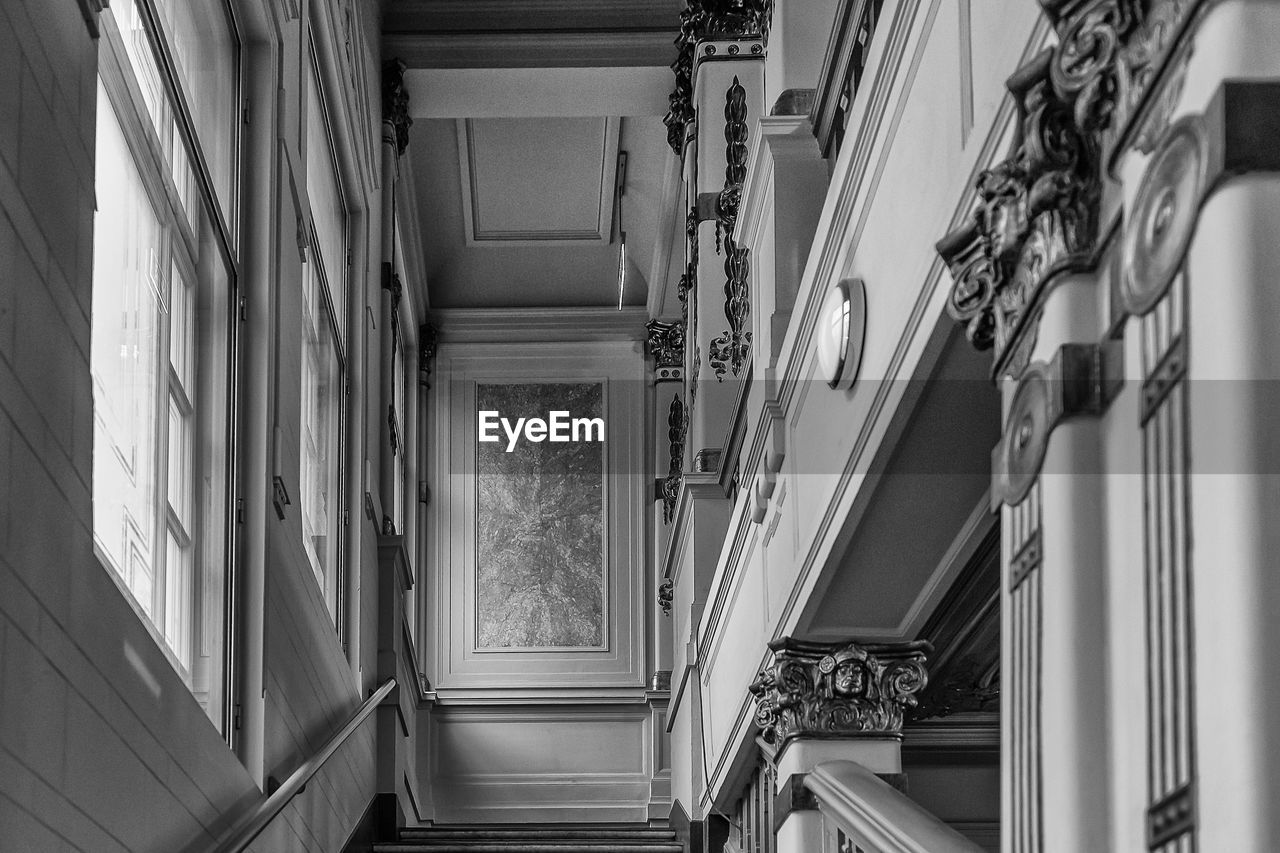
323 369
163 329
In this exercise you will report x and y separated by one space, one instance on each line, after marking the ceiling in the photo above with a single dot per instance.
530 118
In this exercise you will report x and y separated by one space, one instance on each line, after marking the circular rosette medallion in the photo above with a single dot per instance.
1164 216
1026 435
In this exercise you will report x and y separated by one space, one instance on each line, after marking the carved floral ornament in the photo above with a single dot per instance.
825 690
702 20
395 101
730 349
677 426
1038 209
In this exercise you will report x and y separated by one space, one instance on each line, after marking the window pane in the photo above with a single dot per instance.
399 403
177 611
181 329
207 56
208 486
160 362
179 465
146 74
321 432
125 361
325 195
540 525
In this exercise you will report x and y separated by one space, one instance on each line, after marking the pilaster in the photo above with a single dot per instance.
1135 126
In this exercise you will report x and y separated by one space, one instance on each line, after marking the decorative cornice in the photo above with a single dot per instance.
824 690
666 345
522 325
395 101
699 21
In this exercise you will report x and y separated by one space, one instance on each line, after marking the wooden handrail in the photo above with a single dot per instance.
879 817
252 824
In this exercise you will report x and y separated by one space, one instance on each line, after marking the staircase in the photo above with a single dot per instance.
576 838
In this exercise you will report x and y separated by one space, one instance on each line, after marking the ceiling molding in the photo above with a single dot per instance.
479 232
537 93
436 16
532 50
523 325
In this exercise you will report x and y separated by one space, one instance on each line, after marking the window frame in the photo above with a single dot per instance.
178 241
333 589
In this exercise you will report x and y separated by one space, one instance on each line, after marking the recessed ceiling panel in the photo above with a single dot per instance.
538 180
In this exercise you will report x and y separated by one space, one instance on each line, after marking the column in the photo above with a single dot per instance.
1201 260
1026 288
820 702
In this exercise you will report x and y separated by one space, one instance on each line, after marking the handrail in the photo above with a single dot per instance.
877 816
251 826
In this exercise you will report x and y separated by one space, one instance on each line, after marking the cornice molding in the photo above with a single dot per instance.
475 15
530 50
834 690
524 325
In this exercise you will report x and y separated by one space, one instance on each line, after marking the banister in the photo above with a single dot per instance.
251 825
870 809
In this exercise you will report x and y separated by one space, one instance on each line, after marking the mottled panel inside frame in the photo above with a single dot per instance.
540 566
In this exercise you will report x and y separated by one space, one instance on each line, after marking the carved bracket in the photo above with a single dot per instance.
837 690
666 594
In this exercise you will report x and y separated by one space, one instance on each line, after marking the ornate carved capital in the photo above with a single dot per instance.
1079 105
395 101
666 345
699 21
428 340
1037 216
1109 56
837 690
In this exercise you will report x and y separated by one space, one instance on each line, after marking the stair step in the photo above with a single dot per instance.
495 833
533 838
529 846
